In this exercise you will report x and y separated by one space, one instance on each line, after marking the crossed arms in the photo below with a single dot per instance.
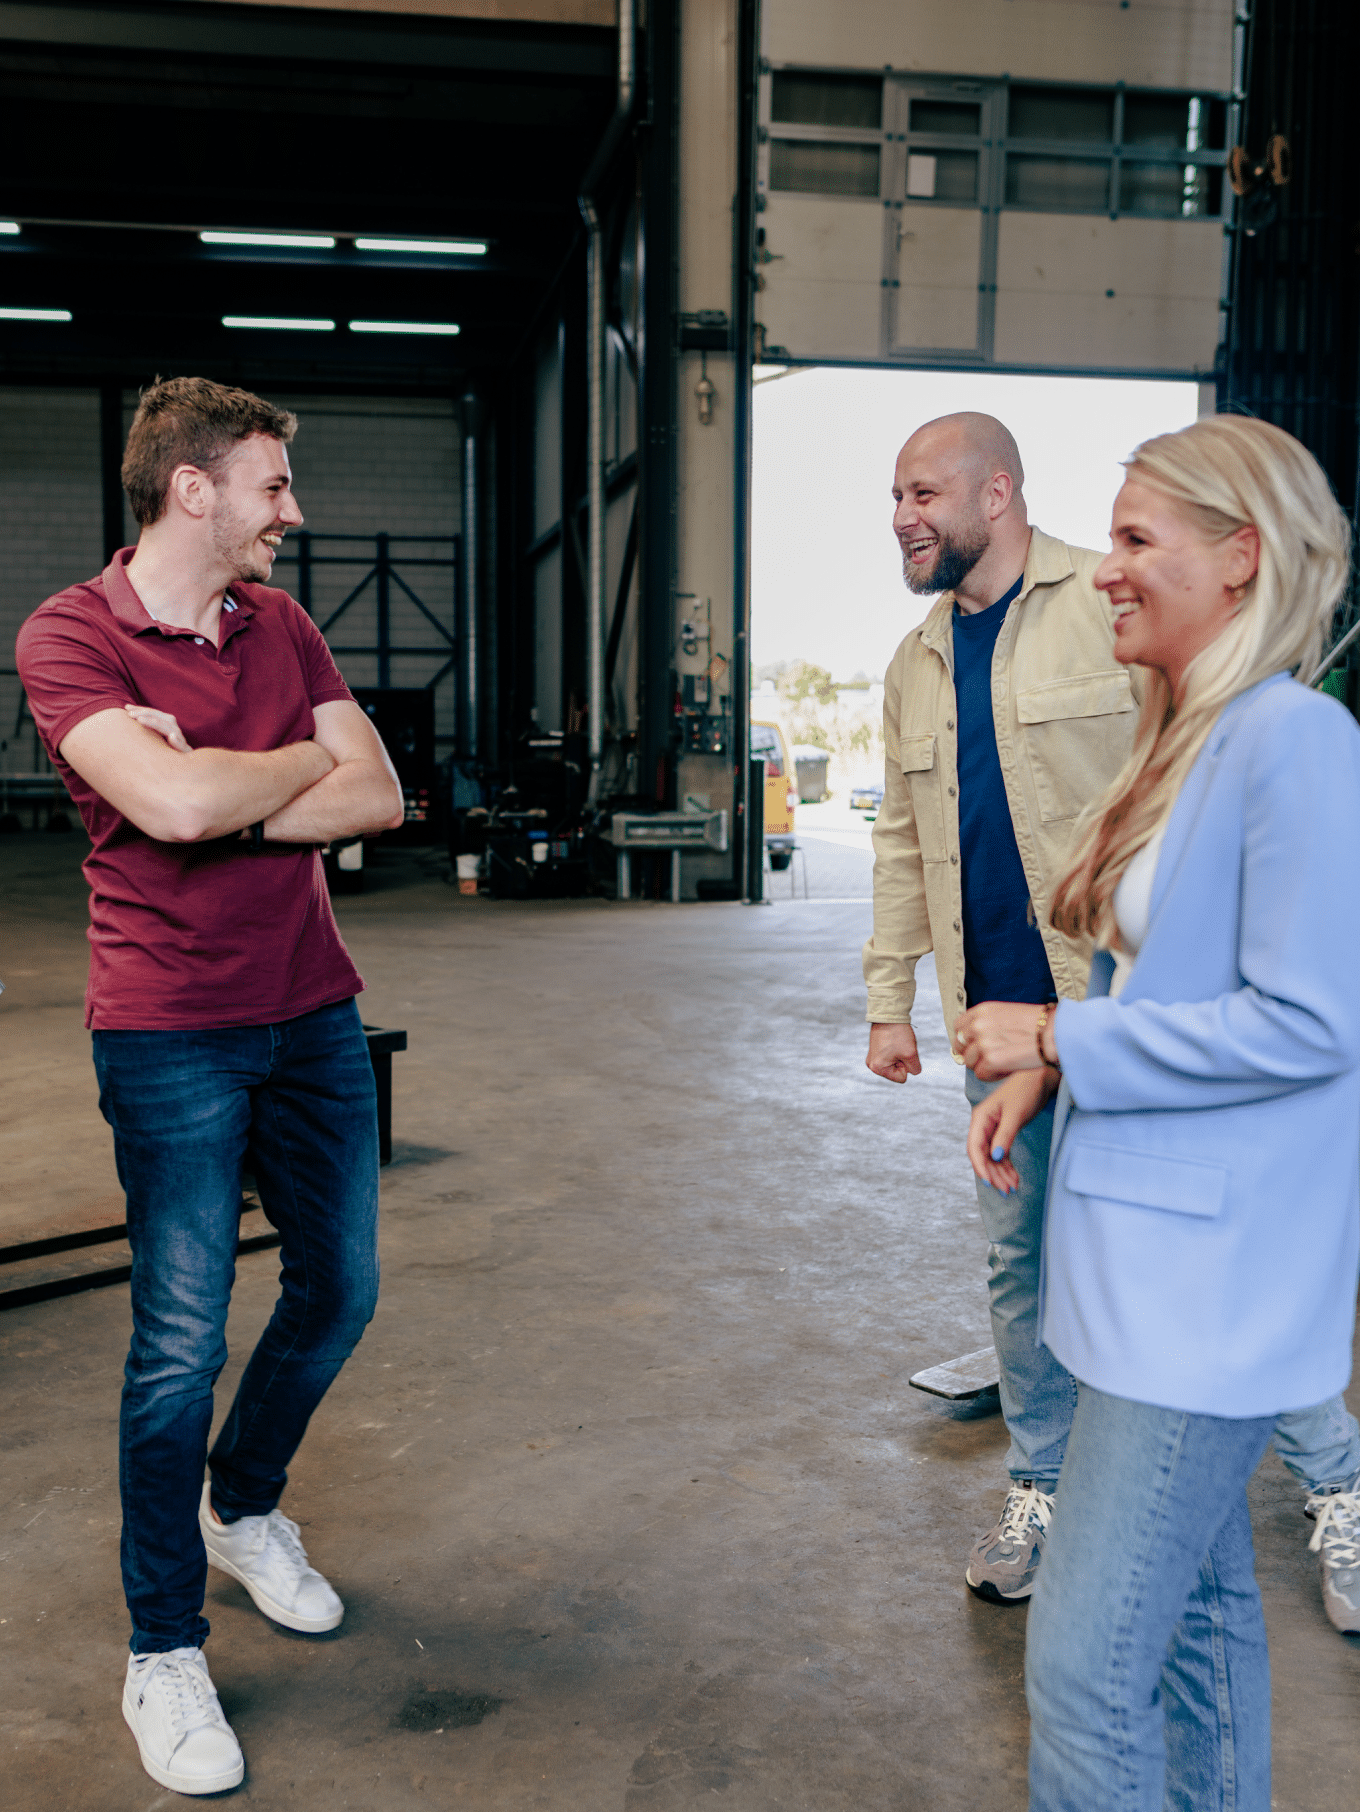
340 783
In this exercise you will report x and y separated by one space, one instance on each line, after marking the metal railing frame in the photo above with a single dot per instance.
382 574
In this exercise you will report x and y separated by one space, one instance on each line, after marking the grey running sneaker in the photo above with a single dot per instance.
1002 1566
1337 1539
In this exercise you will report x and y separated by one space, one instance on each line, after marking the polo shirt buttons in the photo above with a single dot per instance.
198 641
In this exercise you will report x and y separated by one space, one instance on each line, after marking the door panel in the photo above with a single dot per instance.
939 254
939 177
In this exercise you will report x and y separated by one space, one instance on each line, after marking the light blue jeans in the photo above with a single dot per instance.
1146 1668
1320 1446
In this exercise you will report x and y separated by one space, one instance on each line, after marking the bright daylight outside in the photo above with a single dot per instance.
828 602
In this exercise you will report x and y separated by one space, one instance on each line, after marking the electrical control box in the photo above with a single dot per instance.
703 695
694 639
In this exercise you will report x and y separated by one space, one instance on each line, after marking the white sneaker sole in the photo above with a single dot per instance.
992 1594
181 1783
1341 1615
305 1626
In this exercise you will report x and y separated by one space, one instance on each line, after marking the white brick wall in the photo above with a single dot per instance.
361 465
50 522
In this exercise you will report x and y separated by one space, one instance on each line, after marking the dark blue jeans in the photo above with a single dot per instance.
295 1104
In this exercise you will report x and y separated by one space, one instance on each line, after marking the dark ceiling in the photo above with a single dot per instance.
124 129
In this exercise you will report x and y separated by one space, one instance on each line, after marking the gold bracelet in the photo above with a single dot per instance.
1039 1037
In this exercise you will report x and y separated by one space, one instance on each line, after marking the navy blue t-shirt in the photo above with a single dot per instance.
1003 954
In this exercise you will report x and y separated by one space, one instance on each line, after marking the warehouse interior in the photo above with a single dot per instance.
626 1488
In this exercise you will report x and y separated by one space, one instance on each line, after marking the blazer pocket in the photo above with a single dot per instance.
1143 1179
1078 734
918 769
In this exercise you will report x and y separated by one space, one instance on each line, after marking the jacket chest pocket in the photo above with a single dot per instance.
923 780
1078 732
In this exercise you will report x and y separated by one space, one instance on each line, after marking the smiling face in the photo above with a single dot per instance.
1169 585
252 507
941 521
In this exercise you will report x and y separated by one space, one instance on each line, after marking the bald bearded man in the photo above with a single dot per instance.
1003 714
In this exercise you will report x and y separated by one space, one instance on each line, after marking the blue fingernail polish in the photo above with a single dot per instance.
998 1152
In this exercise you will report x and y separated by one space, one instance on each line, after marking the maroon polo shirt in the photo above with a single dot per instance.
185 936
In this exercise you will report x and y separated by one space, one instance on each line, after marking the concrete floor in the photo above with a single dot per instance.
629 1450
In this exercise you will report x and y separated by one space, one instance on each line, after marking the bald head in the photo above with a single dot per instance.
961 507
979 442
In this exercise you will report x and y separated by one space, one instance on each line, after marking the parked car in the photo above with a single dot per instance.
767 743
866 798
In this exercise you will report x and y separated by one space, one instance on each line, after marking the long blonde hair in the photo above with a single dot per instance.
1225 473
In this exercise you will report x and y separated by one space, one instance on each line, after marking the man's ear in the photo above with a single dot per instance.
999 492
192 490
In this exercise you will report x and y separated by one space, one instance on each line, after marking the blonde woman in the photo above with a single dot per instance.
1201 1241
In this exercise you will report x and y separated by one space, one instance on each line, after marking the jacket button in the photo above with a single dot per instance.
951 792
953 858
960 993
949 723
957 925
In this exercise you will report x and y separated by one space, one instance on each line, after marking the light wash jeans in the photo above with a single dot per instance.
1146 1667
1320 1446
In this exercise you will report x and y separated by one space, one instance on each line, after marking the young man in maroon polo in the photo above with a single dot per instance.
211 746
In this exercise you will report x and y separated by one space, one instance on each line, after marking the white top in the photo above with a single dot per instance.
1132 904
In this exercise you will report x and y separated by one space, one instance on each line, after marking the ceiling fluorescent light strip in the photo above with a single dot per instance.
35 314
451 248
445 327
283 323
320 242
9 226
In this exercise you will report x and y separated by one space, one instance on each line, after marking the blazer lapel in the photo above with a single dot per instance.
1181 824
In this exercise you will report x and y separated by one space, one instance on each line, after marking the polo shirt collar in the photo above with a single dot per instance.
134 616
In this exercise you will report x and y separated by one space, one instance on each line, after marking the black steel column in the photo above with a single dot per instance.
384 626
743 346
304 569
659 275
755 830
111 466
575 465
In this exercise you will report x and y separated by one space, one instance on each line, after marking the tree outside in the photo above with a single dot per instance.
812 708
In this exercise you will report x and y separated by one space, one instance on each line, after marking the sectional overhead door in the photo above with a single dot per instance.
960 221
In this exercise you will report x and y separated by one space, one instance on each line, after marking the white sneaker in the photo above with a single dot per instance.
266 1554
1337 1540
171 1708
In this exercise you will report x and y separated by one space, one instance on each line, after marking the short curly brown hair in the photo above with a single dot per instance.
191 421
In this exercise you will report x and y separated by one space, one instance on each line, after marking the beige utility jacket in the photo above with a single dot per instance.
1065 713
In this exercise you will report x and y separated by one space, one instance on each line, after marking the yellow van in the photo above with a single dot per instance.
781 791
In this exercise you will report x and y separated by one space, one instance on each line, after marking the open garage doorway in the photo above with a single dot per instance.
828 605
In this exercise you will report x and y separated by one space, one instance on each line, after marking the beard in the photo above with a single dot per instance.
233 540
958 553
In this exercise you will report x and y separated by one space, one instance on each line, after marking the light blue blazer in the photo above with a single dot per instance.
1202 1228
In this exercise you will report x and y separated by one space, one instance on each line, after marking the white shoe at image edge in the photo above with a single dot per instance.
171 1708
266 1554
